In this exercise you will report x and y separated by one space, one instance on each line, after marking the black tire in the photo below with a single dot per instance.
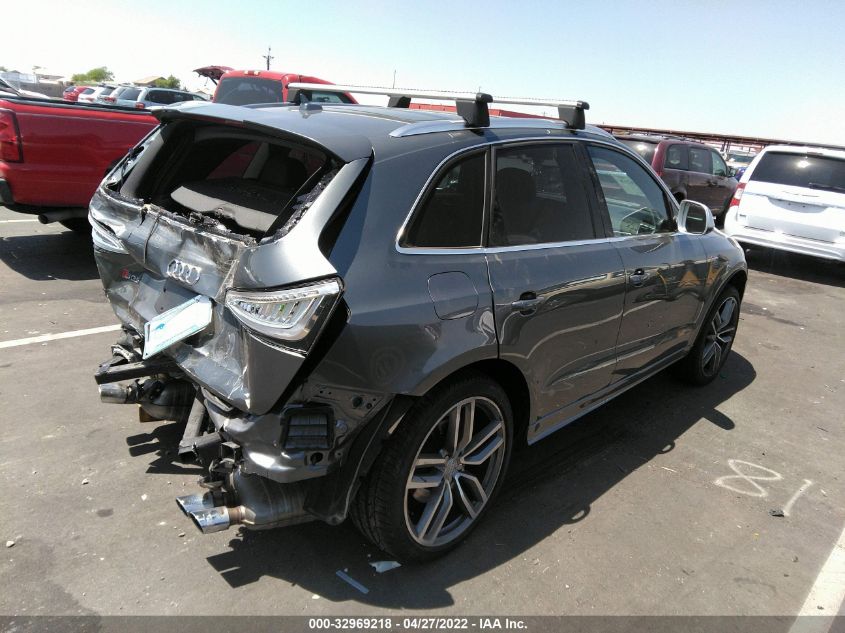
703 363
382 509
77 225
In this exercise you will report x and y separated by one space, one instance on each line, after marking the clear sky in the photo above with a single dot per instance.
749 67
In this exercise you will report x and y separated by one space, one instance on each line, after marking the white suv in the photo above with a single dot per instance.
793 199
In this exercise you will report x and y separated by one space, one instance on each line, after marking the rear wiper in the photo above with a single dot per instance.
819 185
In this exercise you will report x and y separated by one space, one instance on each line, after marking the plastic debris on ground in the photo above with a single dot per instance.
382 566
349 580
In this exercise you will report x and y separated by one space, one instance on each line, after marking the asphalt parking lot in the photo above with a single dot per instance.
659 503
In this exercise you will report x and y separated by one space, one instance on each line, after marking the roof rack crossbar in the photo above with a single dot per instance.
471 107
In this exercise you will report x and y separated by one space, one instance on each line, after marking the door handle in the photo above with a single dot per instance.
527 303
638 277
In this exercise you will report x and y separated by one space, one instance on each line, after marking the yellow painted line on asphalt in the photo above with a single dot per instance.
44 338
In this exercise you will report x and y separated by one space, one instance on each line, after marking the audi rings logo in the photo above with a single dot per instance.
186 273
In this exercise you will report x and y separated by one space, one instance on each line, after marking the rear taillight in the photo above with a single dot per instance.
11 150
291 316
737 195
109 99
139 106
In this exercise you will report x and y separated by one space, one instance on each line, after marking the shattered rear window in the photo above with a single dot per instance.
235 182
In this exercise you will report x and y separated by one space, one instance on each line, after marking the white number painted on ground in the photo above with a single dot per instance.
788 507
751 480
746 478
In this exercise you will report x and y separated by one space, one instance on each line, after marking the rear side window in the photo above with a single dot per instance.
635 202
699 160
539 197
452 215
106 92
130 94
160 96
801 170
676 157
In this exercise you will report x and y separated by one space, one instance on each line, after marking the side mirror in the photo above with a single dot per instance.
695 218
731 172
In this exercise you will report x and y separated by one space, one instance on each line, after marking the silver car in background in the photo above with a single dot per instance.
144 97
792 199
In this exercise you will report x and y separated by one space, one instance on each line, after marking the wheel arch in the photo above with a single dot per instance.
510 378
738 280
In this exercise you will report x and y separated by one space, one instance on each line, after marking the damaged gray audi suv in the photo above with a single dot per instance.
360 311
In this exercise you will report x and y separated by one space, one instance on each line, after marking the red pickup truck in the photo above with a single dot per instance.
244 87
53 154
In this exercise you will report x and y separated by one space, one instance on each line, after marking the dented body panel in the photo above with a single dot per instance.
393 323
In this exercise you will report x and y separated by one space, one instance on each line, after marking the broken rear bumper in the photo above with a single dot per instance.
324 436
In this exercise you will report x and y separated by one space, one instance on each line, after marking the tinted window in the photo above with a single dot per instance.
539 197
676 157
634 200
801 170
699 160
719 167
328 97
645 149
87 91
246 90
130 93
452 215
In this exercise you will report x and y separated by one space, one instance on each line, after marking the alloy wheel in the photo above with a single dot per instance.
455 471
719 336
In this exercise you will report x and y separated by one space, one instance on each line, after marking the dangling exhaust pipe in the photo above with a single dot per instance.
256 502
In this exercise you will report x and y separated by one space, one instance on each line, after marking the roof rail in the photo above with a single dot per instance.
471 107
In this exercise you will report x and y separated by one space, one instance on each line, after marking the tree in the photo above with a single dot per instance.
3 69
95 75
170 82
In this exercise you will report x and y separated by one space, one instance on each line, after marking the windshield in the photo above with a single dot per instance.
742 159
801 170
645 149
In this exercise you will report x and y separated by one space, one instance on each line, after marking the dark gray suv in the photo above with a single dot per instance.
359 311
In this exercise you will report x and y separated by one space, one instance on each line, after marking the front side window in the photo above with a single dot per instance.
635 202
719 167
699 160
452 214
539 197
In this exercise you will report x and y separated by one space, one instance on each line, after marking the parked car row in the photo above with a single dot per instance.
691 170
129 96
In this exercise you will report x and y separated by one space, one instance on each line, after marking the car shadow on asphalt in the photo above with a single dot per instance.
163 441
66 255
795 266
550 486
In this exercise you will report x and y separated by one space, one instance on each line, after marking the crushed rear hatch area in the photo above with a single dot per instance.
202 208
